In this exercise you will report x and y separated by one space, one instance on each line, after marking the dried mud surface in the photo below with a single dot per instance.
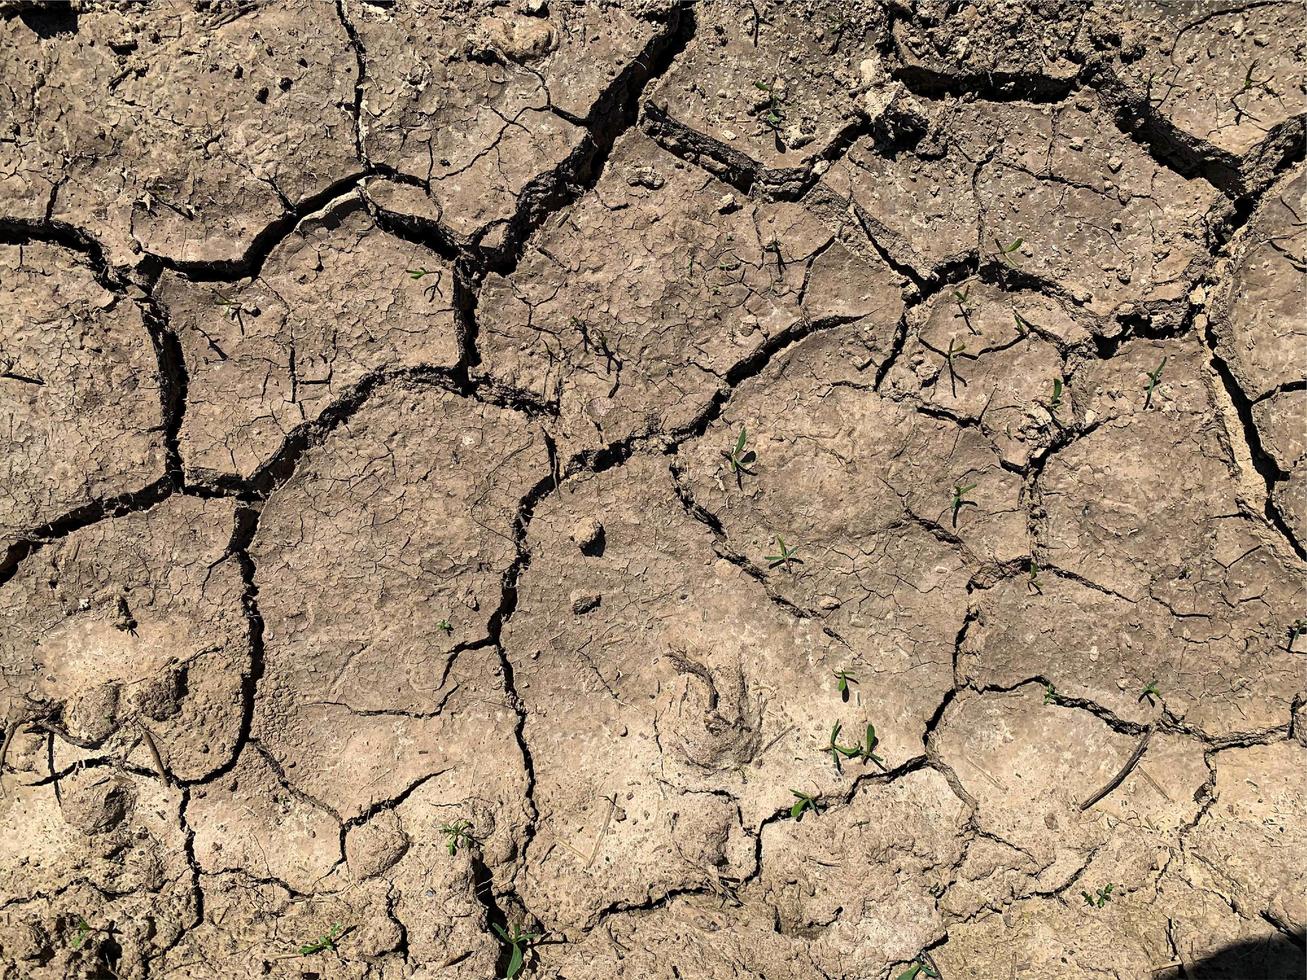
410 408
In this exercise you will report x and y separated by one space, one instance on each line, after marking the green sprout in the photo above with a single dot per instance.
1100 897
1024 326
519 941
868 750
1050 694
421 273
802 803
83 930
456 833
1005 251
739 458
445 626
954 350
1151 692
836 750
773 115
1033 581
960 499
326 941
918 968
843 676
961 298
1251 84
234 307
784 556
1055 402
1154 377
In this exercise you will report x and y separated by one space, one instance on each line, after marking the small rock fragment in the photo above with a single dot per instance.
584 603
646 177
589 536
376 845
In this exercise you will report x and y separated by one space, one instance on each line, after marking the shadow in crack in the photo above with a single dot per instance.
1280 958
49 21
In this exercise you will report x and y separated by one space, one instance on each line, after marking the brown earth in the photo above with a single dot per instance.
405 403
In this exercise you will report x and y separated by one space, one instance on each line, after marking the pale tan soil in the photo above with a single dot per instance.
369 373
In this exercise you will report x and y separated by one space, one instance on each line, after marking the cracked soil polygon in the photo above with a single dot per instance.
175 130
79 390
268 355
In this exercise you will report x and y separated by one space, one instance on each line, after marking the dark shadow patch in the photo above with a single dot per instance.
1280 957
49 20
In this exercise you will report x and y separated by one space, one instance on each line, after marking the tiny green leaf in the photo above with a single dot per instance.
325 941
514 963
1154 377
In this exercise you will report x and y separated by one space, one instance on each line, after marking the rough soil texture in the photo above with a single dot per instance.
455 449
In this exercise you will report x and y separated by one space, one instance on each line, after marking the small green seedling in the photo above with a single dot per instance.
954 350
773 115
1100 897
844 677
1154 377
1251 84
519 941
1247 80
1024 326
1005 252
739 458
83 930
457 833
960 500
784 556
1055 402
1151 692
445 626
326 941
802 803
1033 581
868 749
1050 694
234 307
918 968
421 273
961 297
836 750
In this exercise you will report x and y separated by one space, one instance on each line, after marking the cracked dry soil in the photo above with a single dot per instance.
404 403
